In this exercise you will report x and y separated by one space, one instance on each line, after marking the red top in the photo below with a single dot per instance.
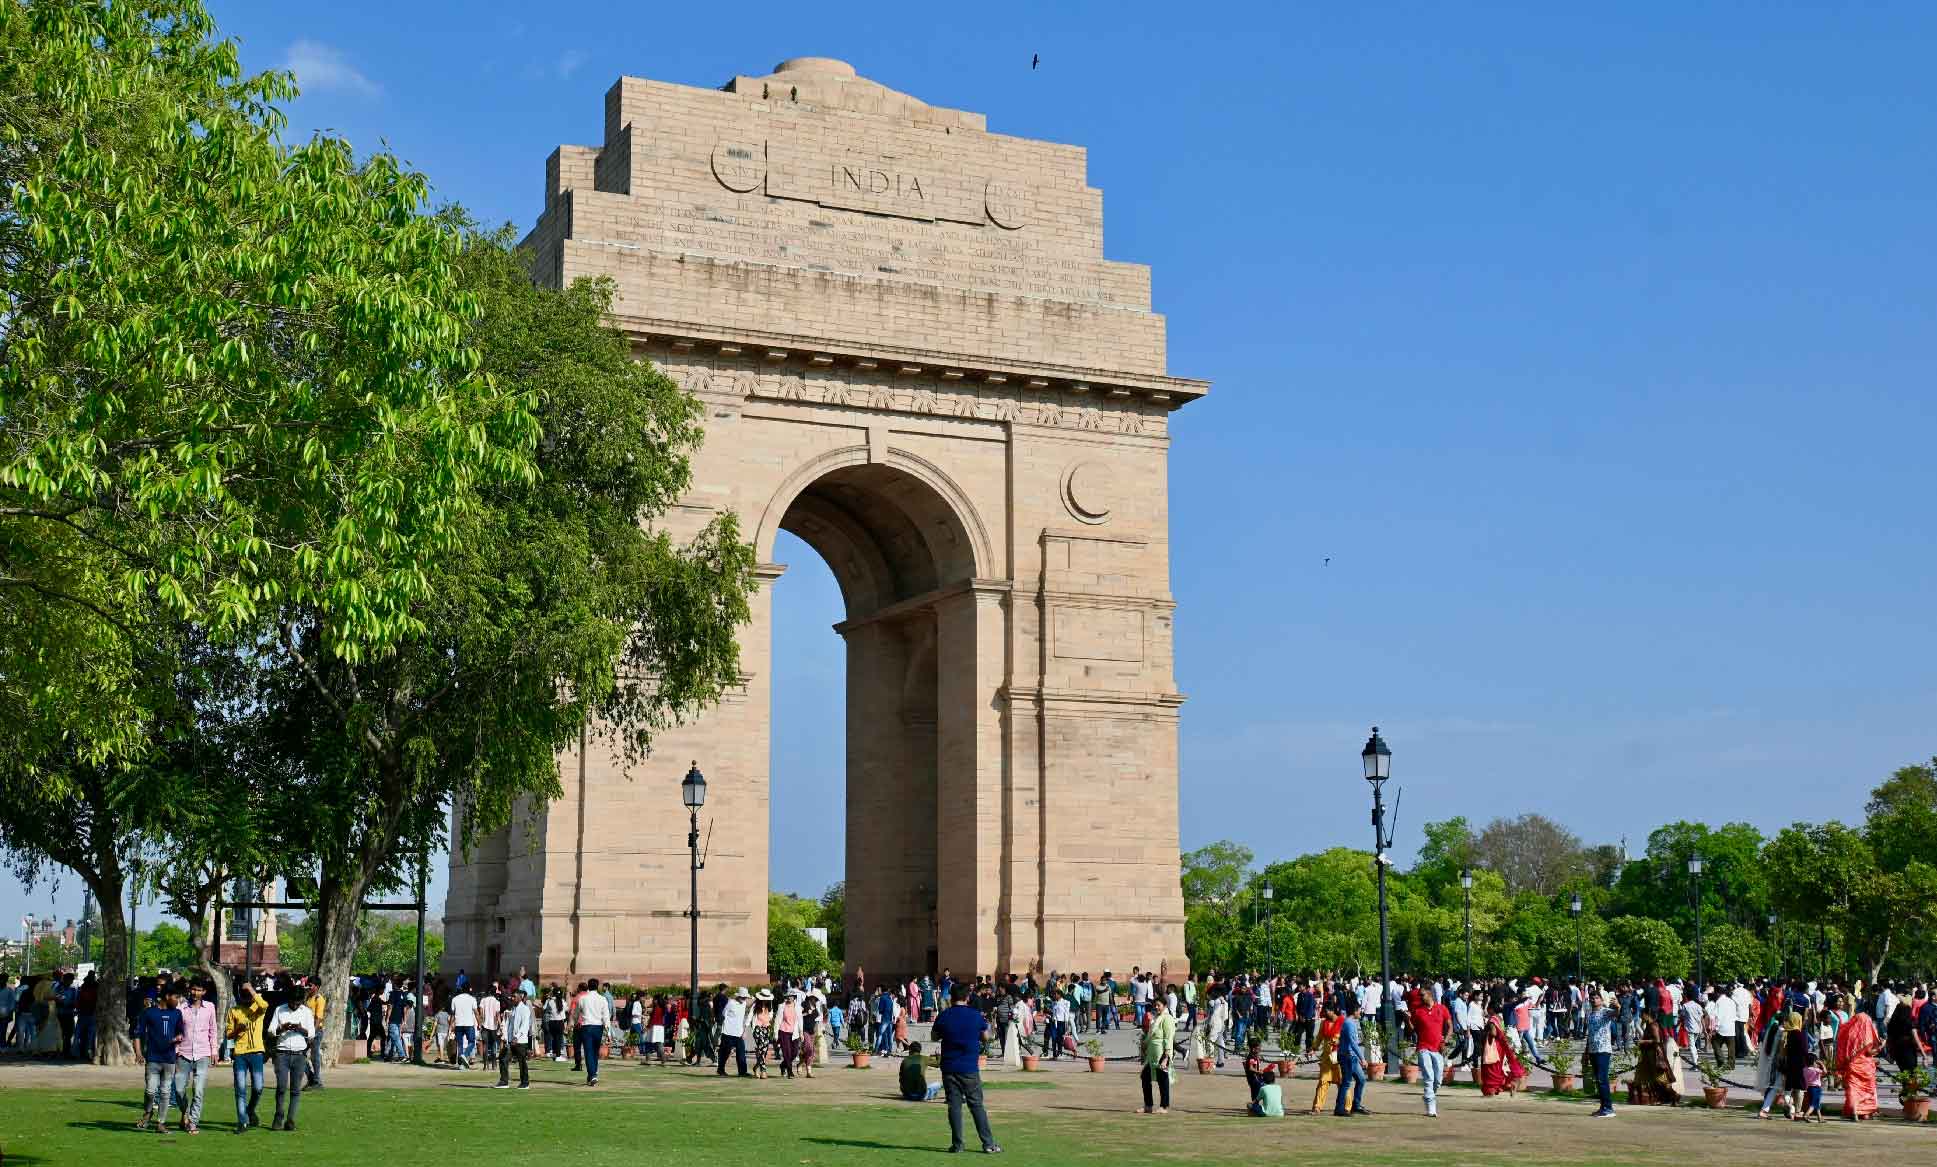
1430 1024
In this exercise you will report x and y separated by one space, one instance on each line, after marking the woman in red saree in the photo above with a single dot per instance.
1500 1070
1857 1044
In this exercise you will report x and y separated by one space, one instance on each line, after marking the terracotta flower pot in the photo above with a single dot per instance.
1286 1067
981 1061
1408 1073
862 1058
1203 1065
1916 1109
1716 1096
1563 1083
1375 1069
1096 1065
1447 1077
1030 1061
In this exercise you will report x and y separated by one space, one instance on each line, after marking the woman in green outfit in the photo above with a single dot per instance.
1159 1040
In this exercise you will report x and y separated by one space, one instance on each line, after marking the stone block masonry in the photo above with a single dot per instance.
914 356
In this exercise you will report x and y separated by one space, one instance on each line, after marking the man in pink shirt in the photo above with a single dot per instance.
197 1050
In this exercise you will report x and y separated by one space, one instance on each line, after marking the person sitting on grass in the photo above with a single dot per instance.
1270 1102
915 1086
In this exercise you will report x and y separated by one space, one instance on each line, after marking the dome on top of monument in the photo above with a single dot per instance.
830 83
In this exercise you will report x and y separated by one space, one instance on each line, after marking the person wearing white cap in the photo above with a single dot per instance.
733 1033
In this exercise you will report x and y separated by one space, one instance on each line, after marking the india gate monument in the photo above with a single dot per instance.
912 355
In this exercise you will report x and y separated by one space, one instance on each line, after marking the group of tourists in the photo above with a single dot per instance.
49 1015
1800 1036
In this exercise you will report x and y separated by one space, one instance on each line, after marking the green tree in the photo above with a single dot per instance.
1213 878
834 919
167 946
562 619
1648 948
1733 953
791 952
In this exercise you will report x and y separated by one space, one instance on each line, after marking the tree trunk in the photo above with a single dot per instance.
338 911
209 962
112 1046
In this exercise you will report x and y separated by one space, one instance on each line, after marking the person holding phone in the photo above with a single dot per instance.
292 1029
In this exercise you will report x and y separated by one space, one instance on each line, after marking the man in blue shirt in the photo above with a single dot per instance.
959 1029
1351 1062
158 1031
1601 1017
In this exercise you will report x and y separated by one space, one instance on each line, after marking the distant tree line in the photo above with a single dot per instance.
1859 900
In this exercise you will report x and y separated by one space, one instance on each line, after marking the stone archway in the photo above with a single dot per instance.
914 356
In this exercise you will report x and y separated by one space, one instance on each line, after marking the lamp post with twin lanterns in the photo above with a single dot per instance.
1695 874
692 792
1377 760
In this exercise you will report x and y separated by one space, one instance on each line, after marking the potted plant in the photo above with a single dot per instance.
1561 1057
1913 1087
1285 1066
858 1047
1094 1049
1375 1040
1030 1059
1715 1090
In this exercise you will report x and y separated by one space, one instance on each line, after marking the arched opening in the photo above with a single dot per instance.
895 546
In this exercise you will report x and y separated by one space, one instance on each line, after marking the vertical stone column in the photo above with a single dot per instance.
970 846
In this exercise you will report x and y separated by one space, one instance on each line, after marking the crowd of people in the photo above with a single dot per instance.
1800 1036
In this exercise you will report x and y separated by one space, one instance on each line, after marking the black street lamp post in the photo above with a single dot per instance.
1580 977
1695 874
1775 942
1466 883
1270 956
1377 760
1822 951
692 792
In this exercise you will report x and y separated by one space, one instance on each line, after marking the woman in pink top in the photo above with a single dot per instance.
787 1025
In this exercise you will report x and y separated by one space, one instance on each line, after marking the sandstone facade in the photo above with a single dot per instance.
914 356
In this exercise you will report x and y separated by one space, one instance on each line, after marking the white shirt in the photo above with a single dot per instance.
488 1010
464 1011
733 1023
1722 1009
299 1016
517 1024
591 1009
1060 1011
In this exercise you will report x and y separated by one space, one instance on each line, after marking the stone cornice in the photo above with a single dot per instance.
685 338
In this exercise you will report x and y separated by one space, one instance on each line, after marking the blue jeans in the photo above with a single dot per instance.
1526 1043
394 1050
157 1079
1432 1067
1602 1063
191 1082
1141 1008
1351 1073
884 1039
84 1037
248 1087
1238 1026
467 1042
590 1038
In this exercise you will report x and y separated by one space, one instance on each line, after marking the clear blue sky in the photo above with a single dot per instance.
1595 350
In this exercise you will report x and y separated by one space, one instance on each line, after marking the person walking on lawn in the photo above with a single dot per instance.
514 1043
292 1027
158 1031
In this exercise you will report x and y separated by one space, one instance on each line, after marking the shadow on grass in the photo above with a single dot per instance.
124 1103
872 1145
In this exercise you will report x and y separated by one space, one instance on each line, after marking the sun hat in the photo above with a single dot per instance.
743 994
763 995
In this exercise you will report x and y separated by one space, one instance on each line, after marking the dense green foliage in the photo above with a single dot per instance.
1855 899
318 519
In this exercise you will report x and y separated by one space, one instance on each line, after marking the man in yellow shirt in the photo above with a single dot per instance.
316 1002
245 1030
